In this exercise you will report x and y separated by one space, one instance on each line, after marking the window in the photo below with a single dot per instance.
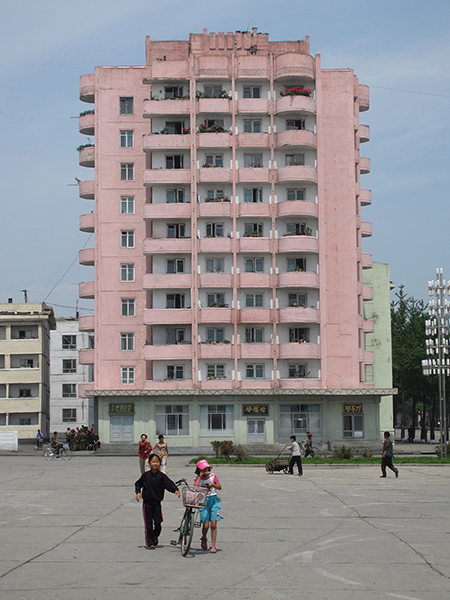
215 334
215 299
176 231
175 265
295 159
215 371
69 415
299 334
126 106
252 125
213 160
252 91
254 371
254 265
175 372
353 426
175 127
25 421
296 264
69 365
26 363
295 123
91 341
253 160
126 139
254 335
253 229
214 265
127 171
127 239
299 418
297 299
69 390
174 300
214 194
253 195
174 161
172 420
214 230
25 393
296 194
128 307
173 91
210 122
69 342
296 228
127 375
127 205
296 371
175 336
254 300
213 90
26 334
175 196
216 418
127 341
127 272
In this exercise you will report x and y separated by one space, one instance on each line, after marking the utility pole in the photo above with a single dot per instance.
25 293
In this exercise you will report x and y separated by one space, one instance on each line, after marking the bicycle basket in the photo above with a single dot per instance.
194 497
66 446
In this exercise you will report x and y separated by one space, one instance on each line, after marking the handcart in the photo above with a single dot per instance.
278 464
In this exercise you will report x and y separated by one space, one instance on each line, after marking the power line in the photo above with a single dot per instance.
409 91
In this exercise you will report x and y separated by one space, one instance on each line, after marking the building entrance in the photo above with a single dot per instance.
122 428
256 431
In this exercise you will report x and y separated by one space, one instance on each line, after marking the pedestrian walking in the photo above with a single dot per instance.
210 514
144 452
296 457
163 452
387 455
39 439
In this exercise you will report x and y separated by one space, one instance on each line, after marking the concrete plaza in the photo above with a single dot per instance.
73 531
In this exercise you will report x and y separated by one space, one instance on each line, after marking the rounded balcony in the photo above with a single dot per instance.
214 314
213 105
364 133
253 140
86 256
367 292
364 97
366 228
296 208
215 350
298 279
258 245
298 243
171 316
86 290
292 104
253 175
254 315
167 211
253 106
365 197
155 141
178 106
161 281
214 209
86 124
86 189
254 351
296 350
168 352
86 323
288 66
87 88
255 280
364 165
297 173
167 246
214 140
368 326
86 156
87 223
254 209
215 280
218 244
366 260
302 138
172 176
86 357
214 175
298 314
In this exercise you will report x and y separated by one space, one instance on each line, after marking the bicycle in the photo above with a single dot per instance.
193 498
65 453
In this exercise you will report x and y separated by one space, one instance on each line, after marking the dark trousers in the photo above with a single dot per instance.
387 462
152 520
298 461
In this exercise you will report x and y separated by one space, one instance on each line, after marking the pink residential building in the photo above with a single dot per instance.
229 297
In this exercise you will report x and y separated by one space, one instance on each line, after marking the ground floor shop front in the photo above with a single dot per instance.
192 421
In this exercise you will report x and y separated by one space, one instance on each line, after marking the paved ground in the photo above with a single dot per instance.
73 531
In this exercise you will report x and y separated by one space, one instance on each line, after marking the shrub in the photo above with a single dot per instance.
366 453
240 453
216 447
343 452
438 450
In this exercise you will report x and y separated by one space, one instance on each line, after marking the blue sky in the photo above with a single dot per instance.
391 45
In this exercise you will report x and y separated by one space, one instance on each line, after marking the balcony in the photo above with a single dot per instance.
215 351
168 352
214 315
301 138
259 245
368 326
161 281
364 133
86 323
214 209
253 106
178 106
255 280
365 197
254 209
364 97
86 357
253 175
87 223
216 384
254 351
298 279
172 176
366 260
167 211
364 165
214 140
298 243
366 229
295 350
254 315
252 66
176 70
86 189
298 314
297 173
173 384
87 88
215 280
213 67
86 156
253 140
367 292
86 257
213 105
86 290
214 175
218 244
167 245
293 66
171 316
153 141
296 208
295 104
299 383
86 124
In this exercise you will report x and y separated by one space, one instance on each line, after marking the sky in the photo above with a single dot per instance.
400 48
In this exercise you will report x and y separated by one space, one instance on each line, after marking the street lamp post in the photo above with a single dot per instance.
437 329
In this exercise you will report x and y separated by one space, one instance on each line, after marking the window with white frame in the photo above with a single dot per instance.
213 160
252 125
174 300
69 415
127 238
295 123
214 265
172 419
127 375
69 365
69 342
175 265
211 122
177 230
254 300
252 91
213 90
254 335
299 418
253 160
296 228
175 371
295 159
127 272
128 307
216 419
214 230
296 264
214 194
254 265
296 194
25 421
215 334
127 171
296 371
126 105
174 161
253 195
254 371
127 205
253 229
126 139
175 127
215 299
297 299
215 371
353 426
299 334
175 336
175 196
127 341
69 390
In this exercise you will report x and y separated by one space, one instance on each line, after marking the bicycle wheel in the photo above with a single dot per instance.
66 454
187 531
49 454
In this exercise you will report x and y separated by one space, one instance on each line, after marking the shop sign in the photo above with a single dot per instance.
353 409
255 409
122 408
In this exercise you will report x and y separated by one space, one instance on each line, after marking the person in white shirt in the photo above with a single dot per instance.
296 457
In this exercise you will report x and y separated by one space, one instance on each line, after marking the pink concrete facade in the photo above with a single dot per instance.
251 234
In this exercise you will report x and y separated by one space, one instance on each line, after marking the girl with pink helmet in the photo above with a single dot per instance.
210 514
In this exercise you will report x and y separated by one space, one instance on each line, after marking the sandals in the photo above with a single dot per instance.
213 550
